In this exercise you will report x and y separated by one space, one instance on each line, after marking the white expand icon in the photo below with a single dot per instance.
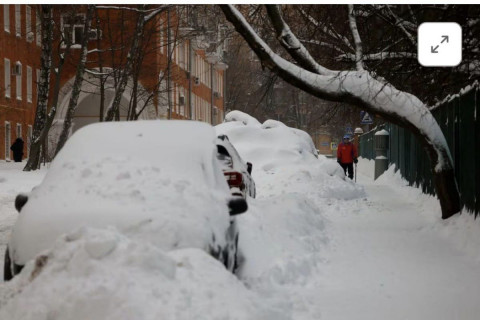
439 44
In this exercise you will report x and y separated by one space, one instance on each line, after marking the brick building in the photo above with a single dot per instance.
19 67
181 75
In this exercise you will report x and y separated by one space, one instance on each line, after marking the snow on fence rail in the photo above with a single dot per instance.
457 117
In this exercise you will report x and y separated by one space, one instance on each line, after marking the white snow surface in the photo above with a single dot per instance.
314 245
382 132
172 198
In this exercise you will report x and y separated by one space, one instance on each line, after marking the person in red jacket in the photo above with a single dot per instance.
347 155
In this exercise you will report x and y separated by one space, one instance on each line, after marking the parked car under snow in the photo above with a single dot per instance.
237 172
158 181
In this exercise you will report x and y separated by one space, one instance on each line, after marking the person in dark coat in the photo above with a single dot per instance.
347 155
17 148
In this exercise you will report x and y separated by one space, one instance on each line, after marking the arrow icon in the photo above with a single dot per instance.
434 50
445 38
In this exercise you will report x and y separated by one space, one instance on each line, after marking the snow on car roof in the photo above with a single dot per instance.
158 176
267 145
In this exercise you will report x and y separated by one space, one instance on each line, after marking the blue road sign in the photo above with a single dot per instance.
366 119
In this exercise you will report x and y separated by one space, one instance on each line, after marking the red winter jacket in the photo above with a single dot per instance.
346 152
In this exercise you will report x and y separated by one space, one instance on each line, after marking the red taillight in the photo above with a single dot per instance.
233 178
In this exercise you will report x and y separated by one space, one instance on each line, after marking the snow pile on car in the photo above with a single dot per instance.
289 153
266 145
147 183
101 274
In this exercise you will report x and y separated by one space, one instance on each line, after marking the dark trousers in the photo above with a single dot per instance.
348 167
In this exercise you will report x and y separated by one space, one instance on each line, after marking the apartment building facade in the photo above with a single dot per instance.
20 39
179 77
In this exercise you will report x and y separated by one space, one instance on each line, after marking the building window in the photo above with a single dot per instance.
38 29
8 140
29 84
29 139
18 21
28 24
72 29
6 17
7 78
18 74
19 130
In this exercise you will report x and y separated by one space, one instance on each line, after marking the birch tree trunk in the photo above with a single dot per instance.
77 85
34 158
359 89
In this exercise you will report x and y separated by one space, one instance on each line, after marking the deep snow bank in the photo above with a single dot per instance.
101 274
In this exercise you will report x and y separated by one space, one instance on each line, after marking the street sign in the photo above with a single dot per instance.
348 130
333 146
366 119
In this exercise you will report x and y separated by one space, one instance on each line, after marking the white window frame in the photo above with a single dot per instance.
29 84
74 27
29 139
19 81
8 81
29 35
8 140
18 20
38 28
6 17
19 130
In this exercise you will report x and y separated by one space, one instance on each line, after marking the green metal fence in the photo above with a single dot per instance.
457 117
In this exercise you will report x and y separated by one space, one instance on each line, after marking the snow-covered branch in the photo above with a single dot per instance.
359 88
323 44
293 46
143 11
379 56
356 37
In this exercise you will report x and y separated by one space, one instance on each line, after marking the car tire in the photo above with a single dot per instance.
7 267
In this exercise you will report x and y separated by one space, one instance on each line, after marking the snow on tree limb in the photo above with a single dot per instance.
293 46
323 44
356 37
359 88
379 56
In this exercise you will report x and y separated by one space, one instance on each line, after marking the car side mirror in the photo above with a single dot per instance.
20 201
249 167
237 205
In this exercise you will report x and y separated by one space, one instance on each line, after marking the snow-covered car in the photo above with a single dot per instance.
158 181
237 172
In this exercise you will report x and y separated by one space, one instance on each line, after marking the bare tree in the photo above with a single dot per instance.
78 81
39 132
359 89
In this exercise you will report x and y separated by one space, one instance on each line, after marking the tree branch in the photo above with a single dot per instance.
290 42
356 37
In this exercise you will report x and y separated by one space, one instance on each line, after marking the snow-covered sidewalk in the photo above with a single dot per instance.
388 260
